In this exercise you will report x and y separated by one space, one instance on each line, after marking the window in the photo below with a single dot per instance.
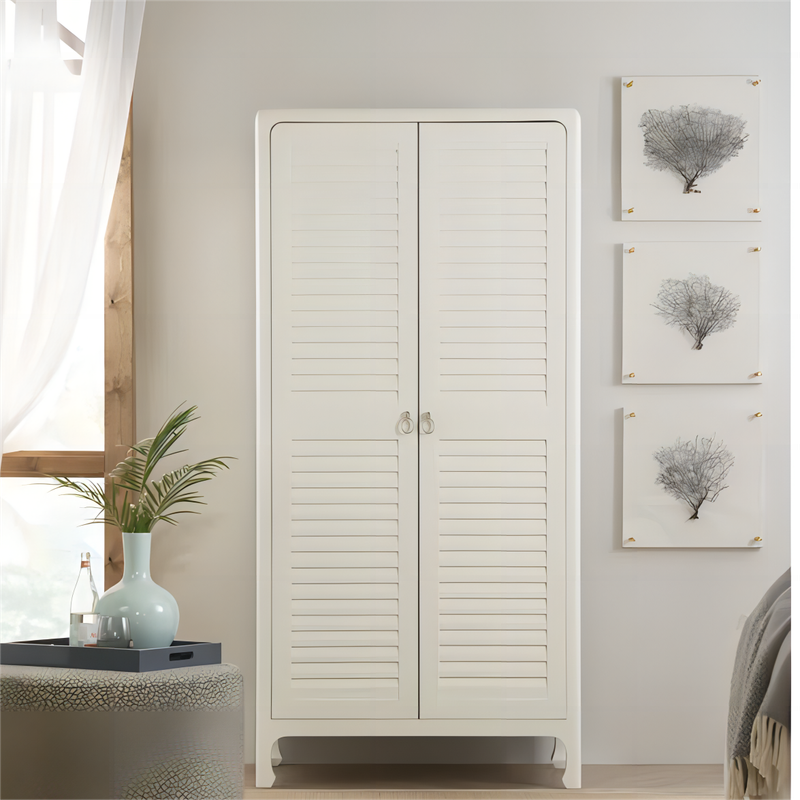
84 422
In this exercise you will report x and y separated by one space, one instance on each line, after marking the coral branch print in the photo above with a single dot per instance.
697 306
692 141
694 472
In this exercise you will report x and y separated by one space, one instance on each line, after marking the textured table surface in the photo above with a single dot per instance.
213 688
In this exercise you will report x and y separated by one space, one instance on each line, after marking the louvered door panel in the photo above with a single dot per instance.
344 499
492 377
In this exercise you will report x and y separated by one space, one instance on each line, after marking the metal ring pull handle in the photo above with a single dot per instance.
426 424
405 424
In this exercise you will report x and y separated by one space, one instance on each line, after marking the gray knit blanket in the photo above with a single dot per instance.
764 635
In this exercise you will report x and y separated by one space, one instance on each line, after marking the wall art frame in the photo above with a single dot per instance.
691 313
692 473
690 148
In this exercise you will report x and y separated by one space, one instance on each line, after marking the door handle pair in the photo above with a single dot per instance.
406 425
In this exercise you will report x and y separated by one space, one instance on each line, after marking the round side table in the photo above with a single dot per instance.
76 733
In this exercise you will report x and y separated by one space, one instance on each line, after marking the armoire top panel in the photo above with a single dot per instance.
568 117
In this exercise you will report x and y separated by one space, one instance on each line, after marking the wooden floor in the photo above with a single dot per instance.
485 782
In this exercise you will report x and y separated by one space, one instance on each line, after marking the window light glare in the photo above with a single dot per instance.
74 16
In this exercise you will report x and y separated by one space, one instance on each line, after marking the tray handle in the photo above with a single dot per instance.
189 654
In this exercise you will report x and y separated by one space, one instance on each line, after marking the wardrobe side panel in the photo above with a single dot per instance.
493 488
344 370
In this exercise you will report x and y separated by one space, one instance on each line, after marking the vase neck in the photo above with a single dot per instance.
136 551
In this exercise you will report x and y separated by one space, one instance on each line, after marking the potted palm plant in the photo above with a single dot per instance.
134 501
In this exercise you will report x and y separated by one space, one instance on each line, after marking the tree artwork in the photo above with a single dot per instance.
697 306
694 472
691 141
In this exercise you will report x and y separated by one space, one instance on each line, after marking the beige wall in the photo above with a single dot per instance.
659 627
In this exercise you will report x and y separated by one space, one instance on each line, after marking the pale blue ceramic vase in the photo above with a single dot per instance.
151 609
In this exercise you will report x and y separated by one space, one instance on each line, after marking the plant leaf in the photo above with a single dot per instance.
176 487
133 501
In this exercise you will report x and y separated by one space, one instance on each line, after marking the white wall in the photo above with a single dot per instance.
659 627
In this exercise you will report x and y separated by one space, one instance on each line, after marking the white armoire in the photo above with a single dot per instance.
417 452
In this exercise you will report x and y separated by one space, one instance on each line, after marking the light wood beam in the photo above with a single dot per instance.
37 463
120 395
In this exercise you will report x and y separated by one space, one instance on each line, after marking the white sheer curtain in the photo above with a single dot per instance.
52 212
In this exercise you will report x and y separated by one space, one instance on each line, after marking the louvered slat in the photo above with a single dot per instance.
495 573
331 298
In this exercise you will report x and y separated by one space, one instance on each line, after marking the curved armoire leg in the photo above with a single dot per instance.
265 776
572 770
265 773
276 754
559 757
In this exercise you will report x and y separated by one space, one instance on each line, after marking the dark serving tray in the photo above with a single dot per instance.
58 653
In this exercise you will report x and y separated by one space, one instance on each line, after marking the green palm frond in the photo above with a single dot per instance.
136 502
129 473
86 491
162 443
175 488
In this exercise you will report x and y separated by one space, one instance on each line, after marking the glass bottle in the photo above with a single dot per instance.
84 599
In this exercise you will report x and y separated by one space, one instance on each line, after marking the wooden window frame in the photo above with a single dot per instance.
120 385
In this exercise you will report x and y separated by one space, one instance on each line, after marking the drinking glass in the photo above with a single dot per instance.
113 631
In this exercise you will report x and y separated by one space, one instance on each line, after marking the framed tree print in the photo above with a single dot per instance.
690 312
692 473
690 148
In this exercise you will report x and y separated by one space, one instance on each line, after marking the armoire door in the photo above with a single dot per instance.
492 450
344 415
